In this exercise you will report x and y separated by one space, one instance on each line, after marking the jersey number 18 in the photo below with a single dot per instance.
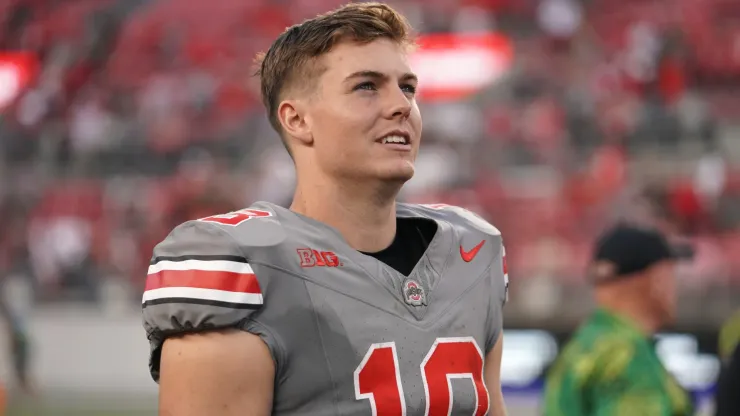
378 378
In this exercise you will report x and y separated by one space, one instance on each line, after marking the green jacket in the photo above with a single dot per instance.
609 368
729 336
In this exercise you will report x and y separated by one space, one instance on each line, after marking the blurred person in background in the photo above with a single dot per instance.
17 336
727 398
610 366
13 259
328 306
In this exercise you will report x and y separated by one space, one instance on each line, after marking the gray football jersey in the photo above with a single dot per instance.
349 335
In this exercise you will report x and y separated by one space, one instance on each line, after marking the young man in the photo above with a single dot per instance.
348 303
610 367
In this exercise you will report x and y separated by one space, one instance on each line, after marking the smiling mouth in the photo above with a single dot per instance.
394 139
397 139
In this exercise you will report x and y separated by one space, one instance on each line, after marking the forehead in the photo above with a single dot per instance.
381 55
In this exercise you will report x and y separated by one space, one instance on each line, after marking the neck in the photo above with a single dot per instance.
364 215
628 306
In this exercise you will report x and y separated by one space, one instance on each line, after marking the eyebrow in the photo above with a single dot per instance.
408 76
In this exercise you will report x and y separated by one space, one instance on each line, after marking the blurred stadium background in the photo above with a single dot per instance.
121 118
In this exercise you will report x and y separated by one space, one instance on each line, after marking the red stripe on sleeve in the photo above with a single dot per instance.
202 279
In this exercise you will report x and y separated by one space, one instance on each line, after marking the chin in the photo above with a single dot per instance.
398 173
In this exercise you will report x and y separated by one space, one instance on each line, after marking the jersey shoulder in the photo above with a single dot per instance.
256 226
200 276
455 215
469 225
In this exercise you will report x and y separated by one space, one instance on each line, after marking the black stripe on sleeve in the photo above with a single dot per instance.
207 302
201 257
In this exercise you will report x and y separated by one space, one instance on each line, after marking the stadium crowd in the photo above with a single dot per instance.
143 114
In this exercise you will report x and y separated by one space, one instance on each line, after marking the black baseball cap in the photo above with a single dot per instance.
627 249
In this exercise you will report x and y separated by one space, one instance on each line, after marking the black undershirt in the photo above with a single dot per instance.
413 236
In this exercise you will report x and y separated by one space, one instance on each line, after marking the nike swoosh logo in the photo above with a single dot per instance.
468 256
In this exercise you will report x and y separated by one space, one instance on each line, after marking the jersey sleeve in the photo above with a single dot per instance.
505 272
198 280
500 288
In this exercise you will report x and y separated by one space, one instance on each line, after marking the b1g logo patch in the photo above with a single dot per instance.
315 258
413 293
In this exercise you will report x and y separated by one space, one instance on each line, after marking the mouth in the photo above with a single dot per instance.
399 140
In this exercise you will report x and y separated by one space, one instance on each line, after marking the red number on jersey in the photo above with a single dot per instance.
452 358
237 217
378 379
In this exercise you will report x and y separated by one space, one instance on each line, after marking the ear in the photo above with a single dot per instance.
293 119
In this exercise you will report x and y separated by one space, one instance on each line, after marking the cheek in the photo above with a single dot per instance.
415 119
416 114
657 288
416 126
666 287
341 127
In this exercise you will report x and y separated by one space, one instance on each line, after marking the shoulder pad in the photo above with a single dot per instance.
257 226
199 279
457 215
467 220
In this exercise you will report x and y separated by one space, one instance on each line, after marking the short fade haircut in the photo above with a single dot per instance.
291 60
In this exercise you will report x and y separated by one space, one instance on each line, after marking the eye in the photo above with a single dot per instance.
409 88
368 86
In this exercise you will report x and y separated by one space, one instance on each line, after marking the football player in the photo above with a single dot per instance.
348 303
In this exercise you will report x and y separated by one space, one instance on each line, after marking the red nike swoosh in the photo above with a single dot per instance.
468 256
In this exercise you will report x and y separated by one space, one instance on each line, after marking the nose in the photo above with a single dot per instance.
399 104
